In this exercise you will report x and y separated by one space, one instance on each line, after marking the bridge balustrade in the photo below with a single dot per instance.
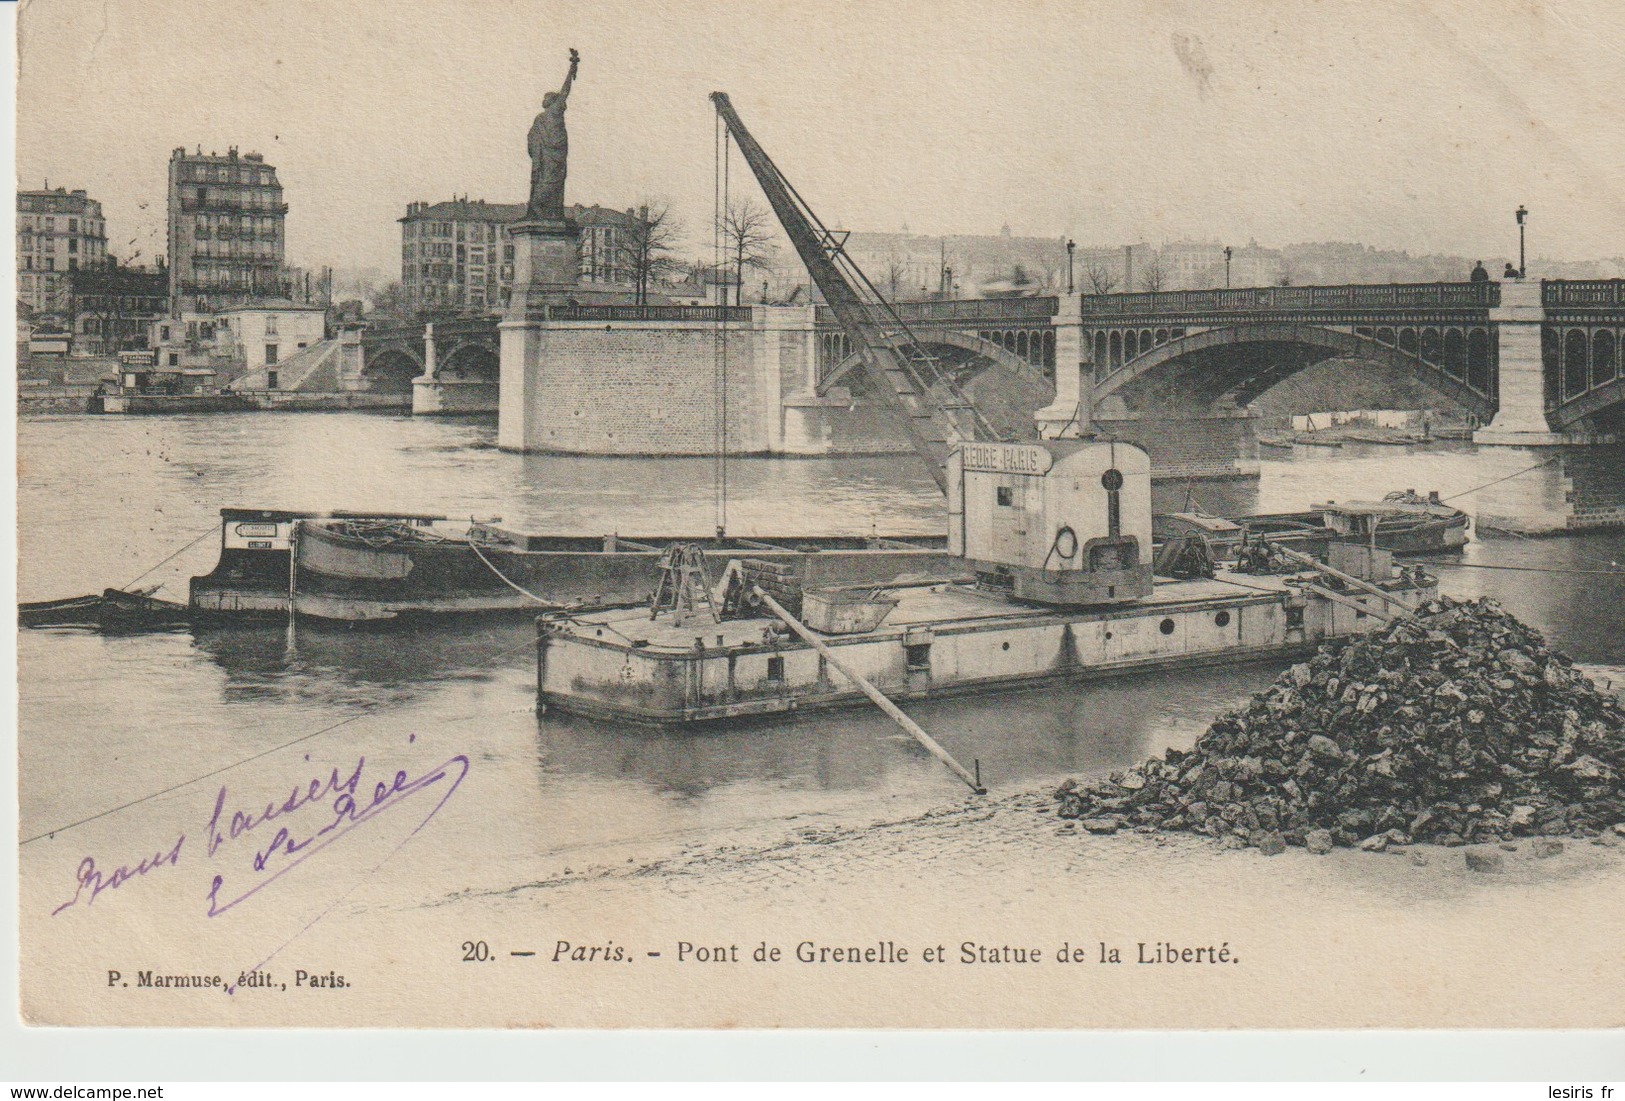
1396 296
953 311
1582 293
649 313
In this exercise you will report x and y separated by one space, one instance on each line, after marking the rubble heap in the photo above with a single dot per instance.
1455 727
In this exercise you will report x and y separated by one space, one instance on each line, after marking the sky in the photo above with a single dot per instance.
1392 123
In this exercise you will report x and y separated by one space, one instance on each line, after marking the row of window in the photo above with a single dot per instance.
27 243
54 203
253 200
225 173
235 249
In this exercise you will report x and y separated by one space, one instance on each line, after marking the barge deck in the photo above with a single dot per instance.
939 640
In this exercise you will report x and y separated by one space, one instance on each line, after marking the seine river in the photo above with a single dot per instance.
108 719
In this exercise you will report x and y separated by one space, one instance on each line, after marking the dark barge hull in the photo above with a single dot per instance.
112 610
350 574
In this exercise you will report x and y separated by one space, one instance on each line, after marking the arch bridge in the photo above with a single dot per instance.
1536 363
448 366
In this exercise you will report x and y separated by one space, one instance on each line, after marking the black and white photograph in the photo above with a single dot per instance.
1024 516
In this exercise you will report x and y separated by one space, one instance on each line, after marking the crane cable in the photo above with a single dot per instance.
719 207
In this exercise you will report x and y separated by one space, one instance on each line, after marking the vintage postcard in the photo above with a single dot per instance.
1023 515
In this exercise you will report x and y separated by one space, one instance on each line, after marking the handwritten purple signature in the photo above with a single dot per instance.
290 845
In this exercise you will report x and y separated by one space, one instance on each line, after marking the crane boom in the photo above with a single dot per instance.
934 411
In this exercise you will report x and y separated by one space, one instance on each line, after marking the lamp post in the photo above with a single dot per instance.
1071 247
1520 214
1227 267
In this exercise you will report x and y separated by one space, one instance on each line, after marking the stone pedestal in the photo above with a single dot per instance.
546 267
546 272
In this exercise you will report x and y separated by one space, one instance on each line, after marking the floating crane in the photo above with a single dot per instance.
910 380
1060 522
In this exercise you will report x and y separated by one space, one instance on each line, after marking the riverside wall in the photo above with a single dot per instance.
674 387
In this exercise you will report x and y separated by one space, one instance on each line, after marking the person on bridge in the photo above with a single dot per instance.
1479 274
1511 273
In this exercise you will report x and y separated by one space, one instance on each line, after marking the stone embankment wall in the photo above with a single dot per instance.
654 388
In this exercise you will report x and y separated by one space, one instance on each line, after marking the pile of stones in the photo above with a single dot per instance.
1456 727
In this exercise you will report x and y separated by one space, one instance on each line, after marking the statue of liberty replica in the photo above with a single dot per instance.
549 146
546 261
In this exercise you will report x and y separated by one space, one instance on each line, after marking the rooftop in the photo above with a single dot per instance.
478 210
228 157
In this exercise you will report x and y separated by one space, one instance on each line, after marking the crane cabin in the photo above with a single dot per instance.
1061 522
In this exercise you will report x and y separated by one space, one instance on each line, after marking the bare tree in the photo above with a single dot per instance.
1155 276
649 244
389 299
894 275
747 230
1101 280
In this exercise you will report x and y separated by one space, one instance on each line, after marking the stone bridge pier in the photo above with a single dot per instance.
1188 435
460 369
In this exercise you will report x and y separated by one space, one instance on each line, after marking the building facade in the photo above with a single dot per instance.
456 256
113 308
59 232
235 340
227 234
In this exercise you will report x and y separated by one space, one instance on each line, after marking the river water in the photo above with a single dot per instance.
106 720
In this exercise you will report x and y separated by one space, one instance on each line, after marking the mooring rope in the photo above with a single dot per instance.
204 535
474 545
1498 481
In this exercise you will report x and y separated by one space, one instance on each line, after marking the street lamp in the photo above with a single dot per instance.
1521 214
1071 247
1227 251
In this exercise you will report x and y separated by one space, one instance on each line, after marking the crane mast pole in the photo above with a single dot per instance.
935 413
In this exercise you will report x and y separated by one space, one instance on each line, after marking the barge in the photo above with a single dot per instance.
1057 536
356 567
940 640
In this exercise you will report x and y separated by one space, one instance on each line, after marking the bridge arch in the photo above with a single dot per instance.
390 368
984 356
1585 379
1239 363
473 358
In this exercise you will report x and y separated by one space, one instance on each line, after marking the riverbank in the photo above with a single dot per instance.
1001 887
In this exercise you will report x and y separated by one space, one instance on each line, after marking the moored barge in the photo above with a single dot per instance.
938 640
361 571
359 567
1057 535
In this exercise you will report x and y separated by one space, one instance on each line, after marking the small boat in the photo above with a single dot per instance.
112 610
1405 523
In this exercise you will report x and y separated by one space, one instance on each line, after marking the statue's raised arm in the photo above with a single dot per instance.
570 77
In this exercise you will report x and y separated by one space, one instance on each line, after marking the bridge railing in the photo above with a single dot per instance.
950 311
1582 292
1392 296
649 313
